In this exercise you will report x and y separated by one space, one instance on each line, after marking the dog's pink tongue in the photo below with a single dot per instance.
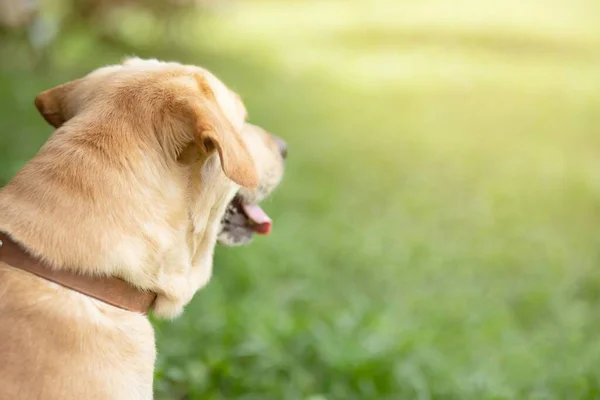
261 223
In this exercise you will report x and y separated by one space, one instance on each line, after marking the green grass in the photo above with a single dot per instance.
437 233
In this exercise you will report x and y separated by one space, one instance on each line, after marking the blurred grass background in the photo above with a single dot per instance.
436 236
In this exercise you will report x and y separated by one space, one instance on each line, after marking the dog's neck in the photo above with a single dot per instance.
136 219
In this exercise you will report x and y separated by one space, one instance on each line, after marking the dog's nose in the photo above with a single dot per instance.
283 149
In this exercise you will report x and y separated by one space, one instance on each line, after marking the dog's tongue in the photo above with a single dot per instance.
261 223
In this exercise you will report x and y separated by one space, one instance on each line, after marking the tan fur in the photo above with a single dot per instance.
129 185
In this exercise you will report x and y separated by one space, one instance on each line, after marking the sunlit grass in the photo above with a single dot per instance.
408 42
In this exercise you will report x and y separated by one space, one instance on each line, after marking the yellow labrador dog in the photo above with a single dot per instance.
151 164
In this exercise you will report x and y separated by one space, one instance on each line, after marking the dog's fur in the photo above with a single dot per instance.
133 184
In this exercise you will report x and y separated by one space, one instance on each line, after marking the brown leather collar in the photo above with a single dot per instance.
113 291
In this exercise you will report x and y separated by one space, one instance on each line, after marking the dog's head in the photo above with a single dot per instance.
193 115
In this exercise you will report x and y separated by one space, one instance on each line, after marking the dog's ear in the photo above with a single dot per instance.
213 131
51 103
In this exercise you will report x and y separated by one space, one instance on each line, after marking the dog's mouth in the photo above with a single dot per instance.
241 221
254 217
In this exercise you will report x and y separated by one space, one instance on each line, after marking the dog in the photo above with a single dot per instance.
151 164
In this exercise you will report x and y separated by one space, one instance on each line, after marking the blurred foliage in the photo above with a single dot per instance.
437 233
